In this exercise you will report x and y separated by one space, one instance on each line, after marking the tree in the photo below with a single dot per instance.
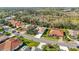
7 33
78 37
2 21
32 31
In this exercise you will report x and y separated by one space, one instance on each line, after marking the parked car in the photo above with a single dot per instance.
77 46
25 48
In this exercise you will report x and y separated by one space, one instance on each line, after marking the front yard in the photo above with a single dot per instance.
28 42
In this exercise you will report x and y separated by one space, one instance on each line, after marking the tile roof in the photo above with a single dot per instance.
16 23
7 46
10 44
15 44
56 32
2 46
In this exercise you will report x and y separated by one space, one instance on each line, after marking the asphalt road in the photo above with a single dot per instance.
48 41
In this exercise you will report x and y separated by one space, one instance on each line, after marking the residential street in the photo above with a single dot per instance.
48 41
62 43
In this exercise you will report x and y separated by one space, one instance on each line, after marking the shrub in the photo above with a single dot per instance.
7 33
49 47
73 49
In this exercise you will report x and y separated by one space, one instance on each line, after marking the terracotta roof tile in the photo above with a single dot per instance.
2 46
10 44
15 43
56 32
7 46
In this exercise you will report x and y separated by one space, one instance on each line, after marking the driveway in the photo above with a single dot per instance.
39 34
40 45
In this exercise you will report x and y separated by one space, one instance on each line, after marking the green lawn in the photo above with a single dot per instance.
28 42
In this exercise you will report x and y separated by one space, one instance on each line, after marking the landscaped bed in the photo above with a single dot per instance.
50 47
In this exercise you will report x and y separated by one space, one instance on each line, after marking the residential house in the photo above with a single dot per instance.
74 33
9 17
6 28
56 32
22 30
10 44
2 46
16 23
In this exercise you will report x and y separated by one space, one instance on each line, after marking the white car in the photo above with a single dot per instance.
23 48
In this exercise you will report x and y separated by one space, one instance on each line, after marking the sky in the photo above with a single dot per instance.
39 3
